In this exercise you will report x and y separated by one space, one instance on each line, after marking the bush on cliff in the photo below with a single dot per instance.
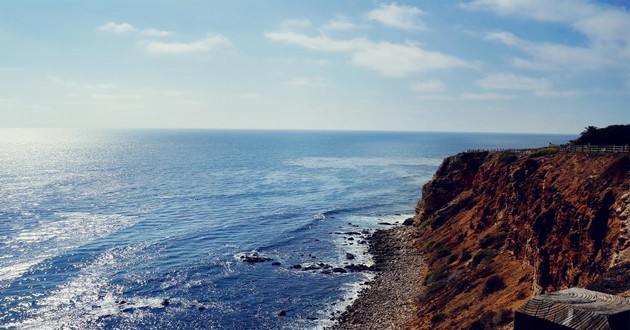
611 135
493 284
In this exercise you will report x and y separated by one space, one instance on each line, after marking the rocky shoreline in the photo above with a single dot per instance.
389 301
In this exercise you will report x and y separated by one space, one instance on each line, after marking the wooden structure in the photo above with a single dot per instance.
566 148
592 148
574 308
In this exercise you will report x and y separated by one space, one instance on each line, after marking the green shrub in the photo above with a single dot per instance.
507 157
438 275
439 254
544 151
437 318
493 284
494 241
425 223
483 256
486 241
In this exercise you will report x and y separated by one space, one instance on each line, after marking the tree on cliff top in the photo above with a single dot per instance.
611 135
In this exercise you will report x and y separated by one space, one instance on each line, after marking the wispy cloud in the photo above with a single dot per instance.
487 96
510 81
605 28
127 28
248 96
554 56
117 27
340 23
398 16
428 86
307 81
295 23
208 43
541 87
156 33
389 59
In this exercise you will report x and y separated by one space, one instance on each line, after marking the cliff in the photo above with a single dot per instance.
497 228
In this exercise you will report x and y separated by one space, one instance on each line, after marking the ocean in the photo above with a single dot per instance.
148 229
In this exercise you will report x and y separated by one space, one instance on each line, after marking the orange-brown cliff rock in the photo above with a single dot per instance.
499 227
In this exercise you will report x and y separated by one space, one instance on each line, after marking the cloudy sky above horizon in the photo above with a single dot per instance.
475 65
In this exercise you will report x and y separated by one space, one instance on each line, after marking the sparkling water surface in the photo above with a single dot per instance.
127 229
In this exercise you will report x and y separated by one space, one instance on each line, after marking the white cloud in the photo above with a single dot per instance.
319 43
248 96
307 82
387 58
549 93
605 28
99 86
398 16
290 24
513 82
549 55
432 97
487 96
538 86
317 62
339 24
156 33
123 28
428 86
116 28
208 43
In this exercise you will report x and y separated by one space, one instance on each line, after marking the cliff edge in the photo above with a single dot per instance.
497 228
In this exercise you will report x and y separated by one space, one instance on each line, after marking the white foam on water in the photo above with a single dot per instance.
351 290
50 239
354 162
84 300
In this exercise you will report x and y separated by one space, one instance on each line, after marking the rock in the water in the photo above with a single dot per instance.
311 267
254 258
276 263
358 268
282 313
349 256
165 302
408 222
339 270
385 223
298 266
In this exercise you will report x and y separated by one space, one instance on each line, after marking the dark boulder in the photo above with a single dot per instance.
254 259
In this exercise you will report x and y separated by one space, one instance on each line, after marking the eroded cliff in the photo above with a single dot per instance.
497 228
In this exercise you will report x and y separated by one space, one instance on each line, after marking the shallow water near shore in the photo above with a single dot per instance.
146 228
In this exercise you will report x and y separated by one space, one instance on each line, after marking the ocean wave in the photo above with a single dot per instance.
354 162
91 298
50 239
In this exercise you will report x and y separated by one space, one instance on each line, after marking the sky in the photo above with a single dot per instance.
533 66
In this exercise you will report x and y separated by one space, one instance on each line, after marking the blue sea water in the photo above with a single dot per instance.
126 229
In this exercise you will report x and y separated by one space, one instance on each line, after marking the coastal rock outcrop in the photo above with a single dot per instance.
497 228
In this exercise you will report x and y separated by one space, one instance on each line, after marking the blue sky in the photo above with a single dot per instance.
475 65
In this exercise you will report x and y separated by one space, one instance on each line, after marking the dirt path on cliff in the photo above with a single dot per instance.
389 301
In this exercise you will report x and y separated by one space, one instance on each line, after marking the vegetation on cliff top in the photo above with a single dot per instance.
611 135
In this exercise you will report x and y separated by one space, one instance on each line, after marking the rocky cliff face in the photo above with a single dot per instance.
497 228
